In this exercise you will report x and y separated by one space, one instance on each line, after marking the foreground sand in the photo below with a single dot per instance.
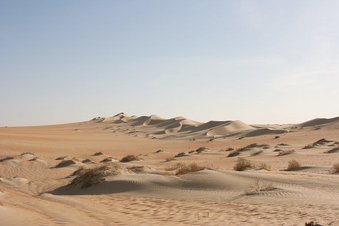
148 192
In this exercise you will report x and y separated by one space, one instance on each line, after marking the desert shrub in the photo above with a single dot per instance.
129 158
192 167
283 144
26 153
259 187
312 223
336 168
158 151
242 164
174 167
229 149
263 166
293 165
98 153
277 150
285 152
309 146
88 177
276 137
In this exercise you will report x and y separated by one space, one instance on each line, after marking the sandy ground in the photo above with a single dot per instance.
42 173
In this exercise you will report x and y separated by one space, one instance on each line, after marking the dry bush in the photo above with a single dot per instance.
309 146
98 153
158 151
108 159
276 137
26 153
242 164
229 149
285 152
259 187
129 158
293 165
174 167
283 144
193 167
277 150
256 153
263 166
87 161
88 177
336 168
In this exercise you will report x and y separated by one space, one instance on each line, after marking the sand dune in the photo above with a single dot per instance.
47 177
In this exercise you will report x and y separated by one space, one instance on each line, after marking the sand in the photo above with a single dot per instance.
42 168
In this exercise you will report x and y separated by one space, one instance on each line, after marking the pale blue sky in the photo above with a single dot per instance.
257 61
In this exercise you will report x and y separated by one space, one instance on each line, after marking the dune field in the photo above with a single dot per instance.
130 170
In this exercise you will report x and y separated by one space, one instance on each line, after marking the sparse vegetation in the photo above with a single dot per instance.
98 153
108 159
263 166
158 151
229 149
188 168
88 177
259 187
285 152
129 158
26 153
317 143
336 168
276 137
242 164
293 165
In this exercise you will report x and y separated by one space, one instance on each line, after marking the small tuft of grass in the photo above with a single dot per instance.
242 164
129 158
293 165
98 153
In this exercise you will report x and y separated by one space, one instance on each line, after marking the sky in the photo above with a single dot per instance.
256 61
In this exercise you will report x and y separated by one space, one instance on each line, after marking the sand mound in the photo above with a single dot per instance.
265 131
319 121
228 128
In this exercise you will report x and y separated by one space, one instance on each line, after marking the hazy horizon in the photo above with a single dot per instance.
254 61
